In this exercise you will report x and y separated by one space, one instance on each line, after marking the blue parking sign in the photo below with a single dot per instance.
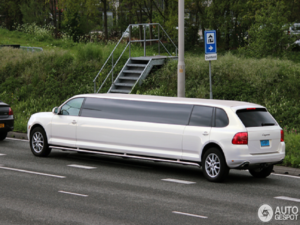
210 39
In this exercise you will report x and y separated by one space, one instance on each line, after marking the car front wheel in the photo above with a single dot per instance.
38 142
3 136
261 172
215 168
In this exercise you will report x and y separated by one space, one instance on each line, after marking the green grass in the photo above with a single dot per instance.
292 143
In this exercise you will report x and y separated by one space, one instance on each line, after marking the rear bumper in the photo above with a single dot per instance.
8 124
247 165
240 158
254 161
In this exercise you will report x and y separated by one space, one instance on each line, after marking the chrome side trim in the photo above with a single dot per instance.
264 153
125 155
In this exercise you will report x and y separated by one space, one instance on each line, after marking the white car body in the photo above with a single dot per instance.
295 29
173 142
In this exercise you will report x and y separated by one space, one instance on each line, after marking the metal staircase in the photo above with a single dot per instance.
134 72
136 69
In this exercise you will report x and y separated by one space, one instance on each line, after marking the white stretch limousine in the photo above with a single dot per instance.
216 134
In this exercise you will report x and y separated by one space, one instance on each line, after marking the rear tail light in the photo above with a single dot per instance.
240 139
282 136
10 112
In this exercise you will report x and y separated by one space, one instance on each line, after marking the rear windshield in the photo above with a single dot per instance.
256 117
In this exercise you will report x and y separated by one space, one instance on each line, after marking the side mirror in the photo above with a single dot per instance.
55 110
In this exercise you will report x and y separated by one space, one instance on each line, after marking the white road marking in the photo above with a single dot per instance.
178 181
288 198
1 154
188 214
282 175
16 139
82 167
31 172
71 193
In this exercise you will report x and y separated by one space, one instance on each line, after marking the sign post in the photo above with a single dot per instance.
210 40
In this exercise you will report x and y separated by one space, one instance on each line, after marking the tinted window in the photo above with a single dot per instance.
154 112
72 107
221 118
201 116
256 117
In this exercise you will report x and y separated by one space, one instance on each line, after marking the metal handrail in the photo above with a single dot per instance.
129 44
112 69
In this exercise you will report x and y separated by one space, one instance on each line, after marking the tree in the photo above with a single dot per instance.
80 15
35 11
10 9
268 33
293 6
104 3
227 17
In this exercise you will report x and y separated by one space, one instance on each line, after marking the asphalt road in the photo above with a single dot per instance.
72 188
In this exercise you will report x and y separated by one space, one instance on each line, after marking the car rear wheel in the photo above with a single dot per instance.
215 168
38 142
261 172
3 136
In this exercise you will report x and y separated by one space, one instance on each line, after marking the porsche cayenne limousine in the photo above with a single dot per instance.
216 135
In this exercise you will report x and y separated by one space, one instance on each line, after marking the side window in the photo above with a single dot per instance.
153 112
72 107
221 118
201 116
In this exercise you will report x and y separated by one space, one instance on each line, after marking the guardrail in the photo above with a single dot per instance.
31 49
126 34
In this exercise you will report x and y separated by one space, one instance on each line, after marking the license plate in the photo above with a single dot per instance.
264 143
1 125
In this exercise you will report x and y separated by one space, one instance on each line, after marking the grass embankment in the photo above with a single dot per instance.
35 82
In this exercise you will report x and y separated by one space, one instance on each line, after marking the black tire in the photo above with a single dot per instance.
39 143
3 136
214 165
261 172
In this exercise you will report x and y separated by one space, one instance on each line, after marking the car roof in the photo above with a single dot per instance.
194 101
3 103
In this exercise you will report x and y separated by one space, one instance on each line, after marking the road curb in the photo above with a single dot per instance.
17 135
277 169
287 170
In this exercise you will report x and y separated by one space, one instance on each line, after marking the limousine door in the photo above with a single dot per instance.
133 127
64 125
197 133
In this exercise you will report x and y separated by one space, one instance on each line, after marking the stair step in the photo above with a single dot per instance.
140 59
124 84
137 65
132 71
119 91
128 78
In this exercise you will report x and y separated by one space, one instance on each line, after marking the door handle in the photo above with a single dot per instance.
74 122
205 133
